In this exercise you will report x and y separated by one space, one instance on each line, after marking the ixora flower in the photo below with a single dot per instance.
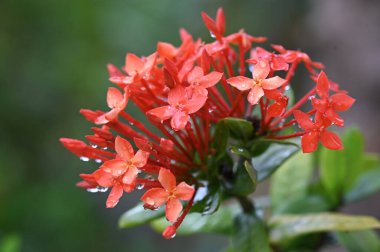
201 87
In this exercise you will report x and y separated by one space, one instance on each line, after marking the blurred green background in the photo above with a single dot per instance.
53 57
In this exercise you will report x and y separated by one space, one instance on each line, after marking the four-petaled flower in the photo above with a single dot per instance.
117 102
120 173
179 108
258 83
329 106
200 82
315 132
171 194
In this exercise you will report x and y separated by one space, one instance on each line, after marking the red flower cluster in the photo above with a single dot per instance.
196 85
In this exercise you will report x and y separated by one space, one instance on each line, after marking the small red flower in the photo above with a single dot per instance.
277 62
315 132
120 173
329 106
258 83
216 27
280 102
117 102
179 108
169 194
200 82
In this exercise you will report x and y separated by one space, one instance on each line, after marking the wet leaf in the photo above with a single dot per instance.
137 216
239 128
207 199
366 185
283 227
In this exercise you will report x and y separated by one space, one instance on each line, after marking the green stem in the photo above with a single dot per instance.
247 204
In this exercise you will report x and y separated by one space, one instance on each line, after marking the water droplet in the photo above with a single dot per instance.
240 149
84 159
131 123
105 148
102 189
251 67
173 235
171 132
287 87
98 160
94 146
97 189
173 162
311 97
140 186
212 35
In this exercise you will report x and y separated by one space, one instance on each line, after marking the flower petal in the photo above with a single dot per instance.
177 95
240 82
273 83
141 158
322 85
331 140
210 79
173 209
130 175
179 120
261 70
114 97
103 178
341 102
133 64
309 142
166 50
114 196
167 179
116 167
196 102
303 120
184 191
255 95
155 197
124 149
195 74
162 113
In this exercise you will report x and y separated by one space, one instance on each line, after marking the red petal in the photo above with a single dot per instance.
210 24
255 95
331 140
341 102
319 105
114 196
240 82
177 95
195 103
210 79
124 149
116 167
133 64
141 158
303 120
155 197
169 232
277 108
195 74
130 175
220 21
167 179
184 191
179 120
334 117
309 142
322 85
173 209
103 178
166 50
162 113
261 70
273 83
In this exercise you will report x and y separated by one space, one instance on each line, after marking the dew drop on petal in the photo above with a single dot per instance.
212 35
105 148
94 146
173 235
311 97
287 87
84 159
98 160
140 186
251 67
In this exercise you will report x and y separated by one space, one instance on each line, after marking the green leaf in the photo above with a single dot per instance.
283 227
137 216
309 204
239 128
10 243
207 199
244 180
291 180
220 222
221 134
365 240
240 151
250 234
272 158
370 161
367 184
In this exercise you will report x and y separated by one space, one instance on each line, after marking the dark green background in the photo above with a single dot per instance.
53 57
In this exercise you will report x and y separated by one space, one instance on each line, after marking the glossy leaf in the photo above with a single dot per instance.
291 180
250 234
366 240
309 204
239 128
367 184
283 227
220 222
207 199
137 216
240 151
222 134
244 180
273 158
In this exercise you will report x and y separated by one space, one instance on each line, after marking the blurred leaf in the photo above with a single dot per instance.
367 184
291 180
220 222
244 180
309 204
207 199
240 151
370 161
260 145
239 128
366 240
284 227
250 234
137 216
271 159
222 134
10 243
